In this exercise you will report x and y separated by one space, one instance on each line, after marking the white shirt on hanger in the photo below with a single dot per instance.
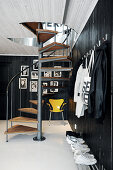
80 107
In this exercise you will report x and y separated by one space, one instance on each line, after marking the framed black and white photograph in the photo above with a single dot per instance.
22 83
45 84
44 90
47 74
53 83
34 74
33 86
57 73
35 67
25 72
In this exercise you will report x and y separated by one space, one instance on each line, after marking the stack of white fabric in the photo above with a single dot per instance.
81 155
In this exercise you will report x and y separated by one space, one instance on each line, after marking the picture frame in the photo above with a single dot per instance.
44 90
47 74
53 83
22 83
57 73
35 67
34 75
45 83
33 86
25 72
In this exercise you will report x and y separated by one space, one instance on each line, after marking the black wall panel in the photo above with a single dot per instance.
97 135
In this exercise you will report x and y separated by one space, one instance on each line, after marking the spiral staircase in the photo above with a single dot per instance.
43 36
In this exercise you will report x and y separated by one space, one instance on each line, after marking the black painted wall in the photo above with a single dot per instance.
9 66
97 135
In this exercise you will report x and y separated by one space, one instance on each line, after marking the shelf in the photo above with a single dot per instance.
53 47
53 87
35 101
56 69
28 110
21 129
55 78
59 58
23 119
47 94
45 35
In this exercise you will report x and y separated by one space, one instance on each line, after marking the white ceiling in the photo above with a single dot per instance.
13 12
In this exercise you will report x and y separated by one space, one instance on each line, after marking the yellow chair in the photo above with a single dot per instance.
56 105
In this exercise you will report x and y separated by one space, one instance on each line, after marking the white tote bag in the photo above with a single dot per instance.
87 80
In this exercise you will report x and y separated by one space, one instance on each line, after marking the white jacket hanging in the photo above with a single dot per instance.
87 79
80 107
82 76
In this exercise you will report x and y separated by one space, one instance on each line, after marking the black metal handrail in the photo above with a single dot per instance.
67 36
62 42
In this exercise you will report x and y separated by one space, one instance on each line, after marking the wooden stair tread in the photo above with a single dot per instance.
57 68
53 46
32 26
53 86
44 35
48 94
35 102
59 58
23 119
28 110
53 78
21 129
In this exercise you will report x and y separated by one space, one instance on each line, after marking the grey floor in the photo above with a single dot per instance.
22 153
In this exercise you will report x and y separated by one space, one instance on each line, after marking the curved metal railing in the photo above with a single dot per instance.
7 95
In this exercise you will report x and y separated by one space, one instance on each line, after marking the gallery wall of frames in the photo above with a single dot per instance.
25 85
33 74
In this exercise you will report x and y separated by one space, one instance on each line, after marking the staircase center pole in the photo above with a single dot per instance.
39 136
7 116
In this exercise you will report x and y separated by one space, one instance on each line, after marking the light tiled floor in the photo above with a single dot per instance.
22 153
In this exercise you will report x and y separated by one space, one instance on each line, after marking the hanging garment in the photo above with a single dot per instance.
80 107
98 87
87 79
73 78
